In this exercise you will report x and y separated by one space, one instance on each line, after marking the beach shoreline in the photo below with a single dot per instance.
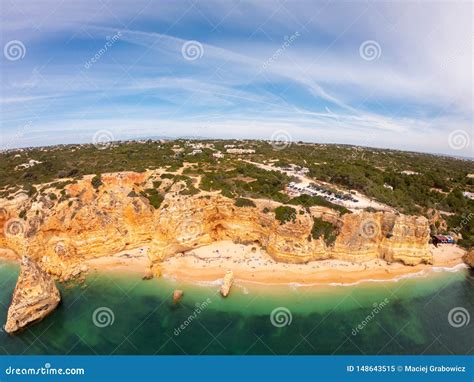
252 265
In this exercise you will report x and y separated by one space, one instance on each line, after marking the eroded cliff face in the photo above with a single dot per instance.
91 223
35 296
469 258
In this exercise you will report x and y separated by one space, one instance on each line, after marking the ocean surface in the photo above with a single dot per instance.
121 314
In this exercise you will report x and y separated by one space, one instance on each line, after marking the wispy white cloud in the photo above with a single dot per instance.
318 86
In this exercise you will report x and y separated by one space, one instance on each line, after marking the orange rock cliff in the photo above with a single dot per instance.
88 223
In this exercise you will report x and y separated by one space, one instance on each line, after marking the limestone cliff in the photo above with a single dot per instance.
34 297
90 223
469 258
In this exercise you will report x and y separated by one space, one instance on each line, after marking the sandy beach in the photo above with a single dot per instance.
134 260
252 264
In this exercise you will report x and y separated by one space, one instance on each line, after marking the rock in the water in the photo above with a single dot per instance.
34 297
469 258
177 296
148 275
227 283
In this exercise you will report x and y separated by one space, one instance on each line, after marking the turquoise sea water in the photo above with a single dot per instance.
121 314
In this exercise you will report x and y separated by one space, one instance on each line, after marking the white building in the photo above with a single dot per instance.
240 151
469 195
30 163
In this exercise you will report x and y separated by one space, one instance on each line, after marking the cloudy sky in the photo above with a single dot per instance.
379 74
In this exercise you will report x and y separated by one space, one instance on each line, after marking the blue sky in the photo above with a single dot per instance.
395 75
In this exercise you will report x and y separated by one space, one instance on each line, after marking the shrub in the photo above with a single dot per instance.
242 202
310 201
324 229
285 214
153 196
97 181
31 191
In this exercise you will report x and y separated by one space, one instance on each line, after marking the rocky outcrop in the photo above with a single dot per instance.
227 283
469 258
148 274
91 223
177 295
35 296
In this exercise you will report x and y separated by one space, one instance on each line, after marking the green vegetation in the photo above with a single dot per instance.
234 182
31 191
285 214
325 230
310 201
188 189
432 182
97 181
153 196
242 202
61 161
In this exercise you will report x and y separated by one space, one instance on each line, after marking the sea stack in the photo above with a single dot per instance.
227 283
177 296
34 297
